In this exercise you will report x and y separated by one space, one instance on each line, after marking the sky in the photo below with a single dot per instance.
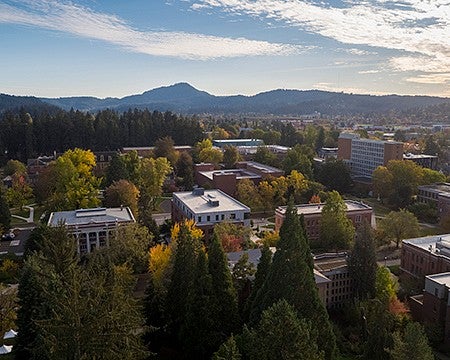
109 48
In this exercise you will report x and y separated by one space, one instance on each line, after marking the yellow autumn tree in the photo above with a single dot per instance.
159 263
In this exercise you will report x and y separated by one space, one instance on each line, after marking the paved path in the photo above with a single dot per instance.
30 217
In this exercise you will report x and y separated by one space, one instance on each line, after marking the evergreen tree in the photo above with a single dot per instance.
413 345
225 310
185 170
282 335
197 329
291 278
260 276
228 351
362 263
5 215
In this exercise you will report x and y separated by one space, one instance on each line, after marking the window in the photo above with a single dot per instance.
358 218
208 218
199 219
222 217
232 216
217 217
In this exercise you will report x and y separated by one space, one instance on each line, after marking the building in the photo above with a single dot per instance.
331 275
339 289
237 142
365 155
227 179
208 208
426 161
327 153
433 305
147 151
37 165
425 256
437 194
92 228
357 212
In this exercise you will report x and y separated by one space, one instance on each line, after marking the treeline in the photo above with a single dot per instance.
25 136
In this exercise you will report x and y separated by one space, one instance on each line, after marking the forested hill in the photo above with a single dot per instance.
184 98
30 104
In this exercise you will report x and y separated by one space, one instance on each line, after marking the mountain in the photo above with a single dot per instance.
28 103
184 98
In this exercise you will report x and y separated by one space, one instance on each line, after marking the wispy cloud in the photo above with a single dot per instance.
418 29
83 22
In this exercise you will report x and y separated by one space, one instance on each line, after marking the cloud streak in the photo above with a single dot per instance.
418 29
84 22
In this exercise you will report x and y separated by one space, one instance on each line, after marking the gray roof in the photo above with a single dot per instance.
317 208
91 216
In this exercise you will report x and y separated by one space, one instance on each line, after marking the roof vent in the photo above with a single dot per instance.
199 191
213 203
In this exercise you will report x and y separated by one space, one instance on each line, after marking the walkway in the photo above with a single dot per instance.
30 218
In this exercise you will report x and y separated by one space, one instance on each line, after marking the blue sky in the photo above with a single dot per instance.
112 48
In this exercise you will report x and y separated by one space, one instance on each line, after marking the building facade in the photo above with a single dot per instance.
365 155
357 212
92 228
208 208
238 142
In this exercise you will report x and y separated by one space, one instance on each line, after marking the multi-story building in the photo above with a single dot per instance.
365 155
425 256
426 161
227 179
92 228
208 208
437 194
357 212
432 307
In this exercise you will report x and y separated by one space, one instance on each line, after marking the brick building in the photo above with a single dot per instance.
365 155
358 212
437 194
425 256
207 208
227 179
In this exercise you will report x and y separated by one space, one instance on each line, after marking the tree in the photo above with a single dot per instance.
75 311
20 192
412 344
117 170
382 180
336 229
335 175
184 169
225 310
228 351
281 334
133 166
230 156
264 156
164 147
122 193
266 192
298 159
399 225
153 173
73 184
211 155
198 327
8 306
228 232
406 176
362 262
247 192
5 215
291 278
14 167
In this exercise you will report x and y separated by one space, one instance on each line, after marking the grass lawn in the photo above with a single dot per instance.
378 208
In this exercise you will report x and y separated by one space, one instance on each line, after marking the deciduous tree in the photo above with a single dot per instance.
399 225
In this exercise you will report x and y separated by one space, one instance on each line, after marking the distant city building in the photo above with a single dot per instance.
426 161
326 153
208 208
365 155
92 228
102 159
146 151
357 212
237 142
227 179
37 165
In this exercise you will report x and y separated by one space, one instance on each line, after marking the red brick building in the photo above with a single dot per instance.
357 212
227 179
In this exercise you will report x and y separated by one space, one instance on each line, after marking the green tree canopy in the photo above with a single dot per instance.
399 225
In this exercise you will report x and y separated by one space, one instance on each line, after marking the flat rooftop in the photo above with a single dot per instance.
442 278
200 204
262 167
240 173
418 156
237 141
440 187
317 208
91 216
438 245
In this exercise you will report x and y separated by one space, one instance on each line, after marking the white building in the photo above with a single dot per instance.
207 208
92 228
